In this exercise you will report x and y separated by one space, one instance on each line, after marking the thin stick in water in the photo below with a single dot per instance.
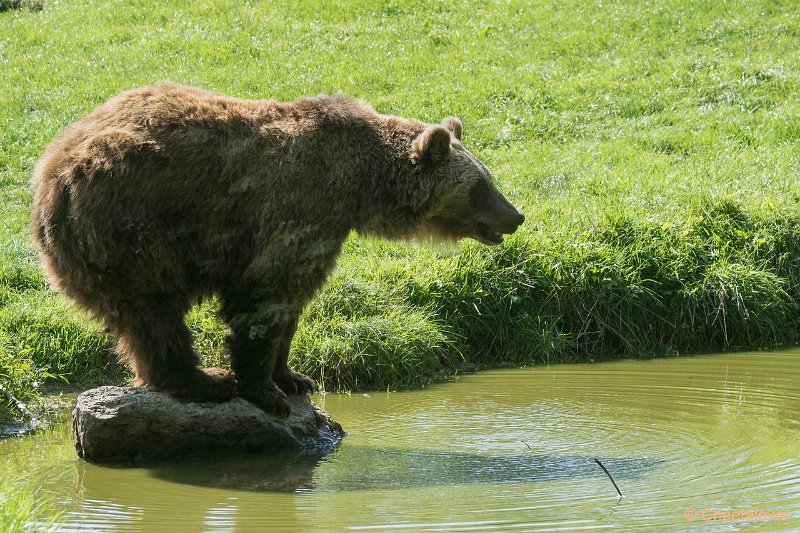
596 460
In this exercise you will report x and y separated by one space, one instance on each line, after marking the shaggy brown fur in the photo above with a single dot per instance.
168 194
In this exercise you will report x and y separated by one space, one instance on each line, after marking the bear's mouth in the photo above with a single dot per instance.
484 234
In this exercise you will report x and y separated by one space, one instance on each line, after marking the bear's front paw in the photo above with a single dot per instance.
292 382
266 396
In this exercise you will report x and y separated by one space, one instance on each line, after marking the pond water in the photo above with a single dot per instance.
690 441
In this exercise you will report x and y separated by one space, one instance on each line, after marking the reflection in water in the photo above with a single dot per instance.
359 468
717 432
382 469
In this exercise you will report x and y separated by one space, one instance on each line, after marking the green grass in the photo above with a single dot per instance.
24 464
16 508
653 146
21 511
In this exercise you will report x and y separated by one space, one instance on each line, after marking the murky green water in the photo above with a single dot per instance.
503 450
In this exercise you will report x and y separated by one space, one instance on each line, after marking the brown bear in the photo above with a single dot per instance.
166 195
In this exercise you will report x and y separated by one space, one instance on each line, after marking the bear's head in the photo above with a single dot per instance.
464 200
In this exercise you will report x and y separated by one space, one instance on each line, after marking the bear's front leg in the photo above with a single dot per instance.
288 380
258 323
253 348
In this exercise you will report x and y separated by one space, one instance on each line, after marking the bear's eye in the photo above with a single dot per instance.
477 194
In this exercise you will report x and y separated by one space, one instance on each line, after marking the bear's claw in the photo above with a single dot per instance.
267 397
291 382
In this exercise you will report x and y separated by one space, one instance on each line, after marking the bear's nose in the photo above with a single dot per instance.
520 218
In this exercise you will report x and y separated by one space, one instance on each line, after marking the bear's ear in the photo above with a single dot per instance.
454 125
431 146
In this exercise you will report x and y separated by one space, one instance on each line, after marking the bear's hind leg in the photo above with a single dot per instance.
156 341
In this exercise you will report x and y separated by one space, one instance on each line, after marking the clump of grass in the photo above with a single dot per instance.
32 5
209 333
57 339
639 288
398 348
22 511
20 377
24 508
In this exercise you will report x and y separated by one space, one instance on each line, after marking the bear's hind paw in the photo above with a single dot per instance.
207 385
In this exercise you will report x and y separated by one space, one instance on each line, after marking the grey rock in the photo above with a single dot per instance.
117 424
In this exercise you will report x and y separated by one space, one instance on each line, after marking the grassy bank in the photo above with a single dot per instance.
653 146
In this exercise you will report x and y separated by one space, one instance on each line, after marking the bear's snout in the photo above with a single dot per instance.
491 230
515 220
510 222
496 216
